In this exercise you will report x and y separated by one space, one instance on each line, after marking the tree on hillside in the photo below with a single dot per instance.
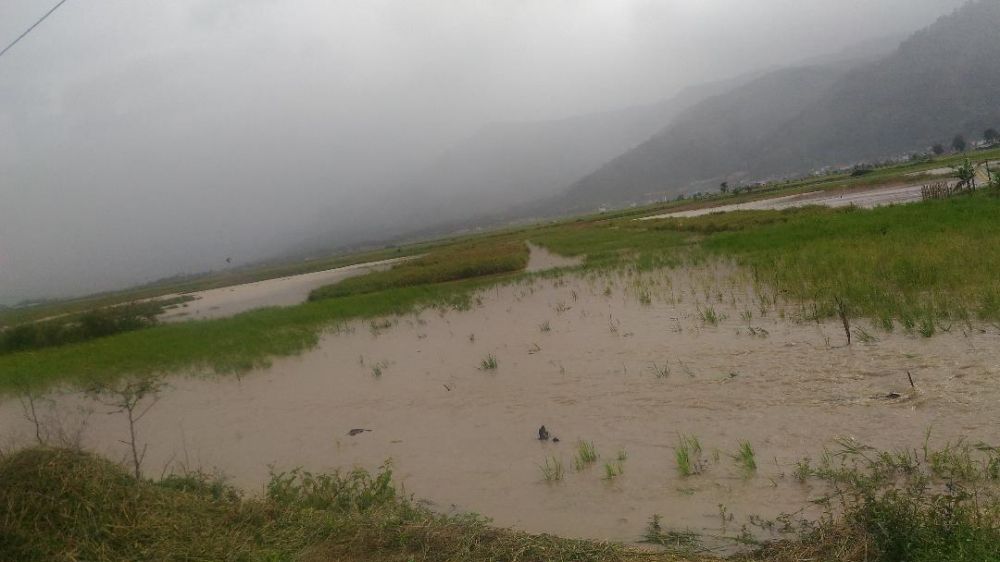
959 143
991 135
724 187
938 149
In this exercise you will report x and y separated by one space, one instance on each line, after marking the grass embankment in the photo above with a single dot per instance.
446 264
69 505
64 505
253 338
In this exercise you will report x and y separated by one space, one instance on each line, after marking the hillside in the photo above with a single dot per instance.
939 82
501 171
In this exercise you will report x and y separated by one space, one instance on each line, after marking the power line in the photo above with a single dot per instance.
33 26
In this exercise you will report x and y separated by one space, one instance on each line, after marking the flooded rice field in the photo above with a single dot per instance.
630 362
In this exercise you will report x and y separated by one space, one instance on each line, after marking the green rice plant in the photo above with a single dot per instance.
709 316
613 470
586 454
552 469
379 368
687 453
489 363
885 321
746 459
645 297
622 455
927 326
545 327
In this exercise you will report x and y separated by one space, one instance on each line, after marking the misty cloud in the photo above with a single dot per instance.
141 140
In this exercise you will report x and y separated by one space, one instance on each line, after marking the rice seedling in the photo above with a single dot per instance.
746 459
545 327
687 453
645 297
803 470
709 316
613 470
675 542
927 327
489 363
661 372
586 454
379 368
864 336
376 327
622 455
552 469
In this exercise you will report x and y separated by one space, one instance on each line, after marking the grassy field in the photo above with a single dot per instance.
64 505
453 263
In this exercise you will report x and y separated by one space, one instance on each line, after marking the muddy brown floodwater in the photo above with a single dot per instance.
283 291
627 361
866 199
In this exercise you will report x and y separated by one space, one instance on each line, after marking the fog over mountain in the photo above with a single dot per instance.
940 82
142 140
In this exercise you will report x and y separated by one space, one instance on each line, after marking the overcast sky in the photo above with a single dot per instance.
140 139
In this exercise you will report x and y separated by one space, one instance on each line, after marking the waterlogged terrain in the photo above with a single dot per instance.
284 291
866 199
633 363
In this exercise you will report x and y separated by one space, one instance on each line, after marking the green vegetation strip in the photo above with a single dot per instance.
908 264
253 338
919 267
